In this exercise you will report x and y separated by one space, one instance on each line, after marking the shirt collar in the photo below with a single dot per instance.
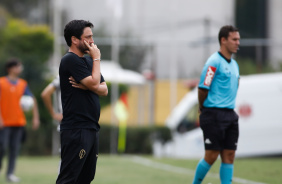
228 60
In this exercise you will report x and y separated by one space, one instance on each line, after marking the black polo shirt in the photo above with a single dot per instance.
81 108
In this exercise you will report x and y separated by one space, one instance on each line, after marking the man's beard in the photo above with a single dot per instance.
82 48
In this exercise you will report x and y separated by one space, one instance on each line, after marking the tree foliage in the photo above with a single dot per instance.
248 67
33 45
130 56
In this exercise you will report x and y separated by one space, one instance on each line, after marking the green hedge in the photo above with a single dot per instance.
33 45
139 140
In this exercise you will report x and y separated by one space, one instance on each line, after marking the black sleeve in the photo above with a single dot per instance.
203 88
102 79
78 69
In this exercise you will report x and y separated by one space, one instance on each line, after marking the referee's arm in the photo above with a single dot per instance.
202 95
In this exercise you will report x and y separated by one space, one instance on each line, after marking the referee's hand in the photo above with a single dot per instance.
93 51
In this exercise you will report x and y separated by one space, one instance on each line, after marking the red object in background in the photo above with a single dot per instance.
245 110
149 74
123 98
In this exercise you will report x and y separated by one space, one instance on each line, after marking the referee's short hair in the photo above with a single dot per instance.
224 32
75 28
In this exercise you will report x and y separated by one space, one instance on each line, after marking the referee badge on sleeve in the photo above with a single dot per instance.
209 76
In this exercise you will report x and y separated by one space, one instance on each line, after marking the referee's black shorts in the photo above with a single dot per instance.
220 128
79 153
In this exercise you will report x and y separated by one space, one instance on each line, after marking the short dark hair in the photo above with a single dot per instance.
12 63
75 28
224 32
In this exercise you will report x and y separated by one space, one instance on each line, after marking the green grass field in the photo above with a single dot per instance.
149 170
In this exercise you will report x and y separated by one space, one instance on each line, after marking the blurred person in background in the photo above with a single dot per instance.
81 85
53 88
217 95
55 111
12 118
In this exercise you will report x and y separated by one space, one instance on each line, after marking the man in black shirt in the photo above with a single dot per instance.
81 85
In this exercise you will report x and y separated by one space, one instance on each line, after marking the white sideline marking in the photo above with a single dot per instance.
180 170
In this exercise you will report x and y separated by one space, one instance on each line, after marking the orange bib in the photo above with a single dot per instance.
10 95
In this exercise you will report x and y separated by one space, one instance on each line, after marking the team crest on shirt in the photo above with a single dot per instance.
209 76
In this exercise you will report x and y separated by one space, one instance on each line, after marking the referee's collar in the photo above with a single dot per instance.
228 60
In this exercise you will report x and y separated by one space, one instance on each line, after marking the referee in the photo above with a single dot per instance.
81 85
217 94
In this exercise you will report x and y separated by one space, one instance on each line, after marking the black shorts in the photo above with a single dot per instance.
79 153
220 128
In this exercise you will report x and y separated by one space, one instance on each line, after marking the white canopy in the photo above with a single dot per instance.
113 72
